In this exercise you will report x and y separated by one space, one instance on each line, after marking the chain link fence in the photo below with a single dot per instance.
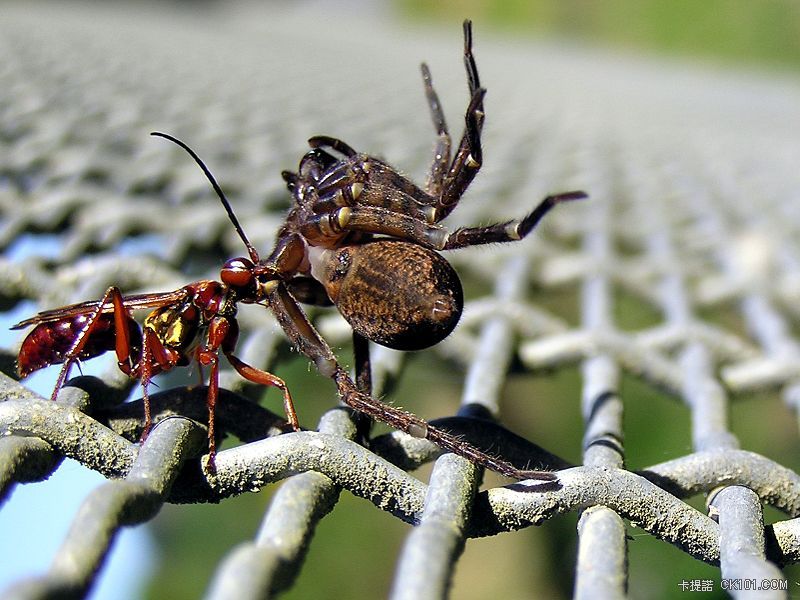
682 271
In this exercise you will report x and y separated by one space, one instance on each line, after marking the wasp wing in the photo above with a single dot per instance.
133 302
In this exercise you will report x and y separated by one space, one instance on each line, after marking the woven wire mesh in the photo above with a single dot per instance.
680 271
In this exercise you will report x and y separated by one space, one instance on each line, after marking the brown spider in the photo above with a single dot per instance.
359 236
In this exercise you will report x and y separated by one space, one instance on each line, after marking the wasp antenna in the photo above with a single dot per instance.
225 203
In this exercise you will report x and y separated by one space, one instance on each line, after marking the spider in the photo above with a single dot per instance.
359 236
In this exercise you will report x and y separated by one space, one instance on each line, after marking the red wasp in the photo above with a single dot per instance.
359 236
195 322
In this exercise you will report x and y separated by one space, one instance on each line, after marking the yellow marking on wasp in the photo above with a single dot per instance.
168 326
356 189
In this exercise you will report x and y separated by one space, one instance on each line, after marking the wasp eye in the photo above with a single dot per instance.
237 272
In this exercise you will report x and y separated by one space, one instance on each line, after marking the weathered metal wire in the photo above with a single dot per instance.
692 212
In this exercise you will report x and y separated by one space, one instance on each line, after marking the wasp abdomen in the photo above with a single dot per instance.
48 343
395 293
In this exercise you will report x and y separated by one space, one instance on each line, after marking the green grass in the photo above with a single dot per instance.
764 32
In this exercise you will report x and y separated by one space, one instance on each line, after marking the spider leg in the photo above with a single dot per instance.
368 181
473 80
441 153
468 159
287 255
374 219
509 231
309 291
469 156
308 341
322 141
363 380
377 220
363 366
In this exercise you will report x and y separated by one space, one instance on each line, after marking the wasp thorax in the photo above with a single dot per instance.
175 327
395 293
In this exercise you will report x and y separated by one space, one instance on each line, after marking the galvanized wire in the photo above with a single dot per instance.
694 186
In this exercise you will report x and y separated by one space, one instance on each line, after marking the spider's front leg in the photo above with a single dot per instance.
310 291
378 220
362 365
441 152
509 231
308 341
448 187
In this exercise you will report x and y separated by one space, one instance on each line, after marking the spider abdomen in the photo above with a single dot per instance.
395 293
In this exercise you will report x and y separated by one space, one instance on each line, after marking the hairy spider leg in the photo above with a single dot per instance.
443 148
510 231
322 141
308 341
367 181
377 220
467 161
446 182
362 365
310 291
469 155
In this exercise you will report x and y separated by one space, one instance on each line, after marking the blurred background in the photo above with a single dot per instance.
245 84
733 32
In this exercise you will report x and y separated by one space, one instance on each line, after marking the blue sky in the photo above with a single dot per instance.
36 518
